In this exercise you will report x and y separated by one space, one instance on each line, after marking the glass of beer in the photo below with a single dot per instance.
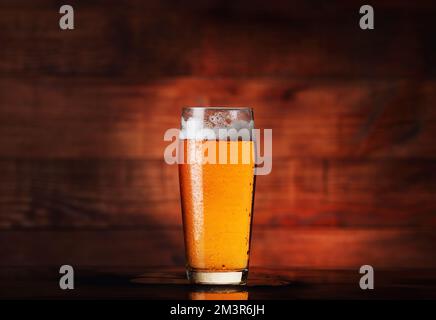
217 181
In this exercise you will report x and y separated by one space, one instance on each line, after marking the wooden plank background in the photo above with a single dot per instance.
83 112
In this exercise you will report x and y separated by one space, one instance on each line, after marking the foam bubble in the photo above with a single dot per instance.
217 126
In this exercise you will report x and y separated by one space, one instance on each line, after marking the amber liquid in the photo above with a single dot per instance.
237 295
217 201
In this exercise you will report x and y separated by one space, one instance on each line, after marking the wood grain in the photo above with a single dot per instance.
299 192
83 113
113 119
277 247
215 38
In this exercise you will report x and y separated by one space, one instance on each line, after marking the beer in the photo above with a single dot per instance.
217 189
213 293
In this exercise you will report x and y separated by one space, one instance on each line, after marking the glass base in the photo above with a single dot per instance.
217 277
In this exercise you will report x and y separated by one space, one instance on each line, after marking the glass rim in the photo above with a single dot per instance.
217 108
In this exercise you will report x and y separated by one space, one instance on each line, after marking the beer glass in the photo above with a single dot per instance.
217 181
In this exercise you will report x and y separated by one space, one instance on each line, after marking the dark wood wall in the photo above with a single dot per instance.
83 112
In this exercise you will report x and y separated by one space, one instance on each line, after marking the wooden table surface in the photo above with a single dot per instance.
170 283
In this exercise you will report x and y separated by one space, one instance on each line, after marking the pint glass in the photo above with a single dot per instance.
216 173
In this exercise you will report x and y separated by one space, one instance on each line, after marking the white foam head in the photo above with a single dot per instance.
215 125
